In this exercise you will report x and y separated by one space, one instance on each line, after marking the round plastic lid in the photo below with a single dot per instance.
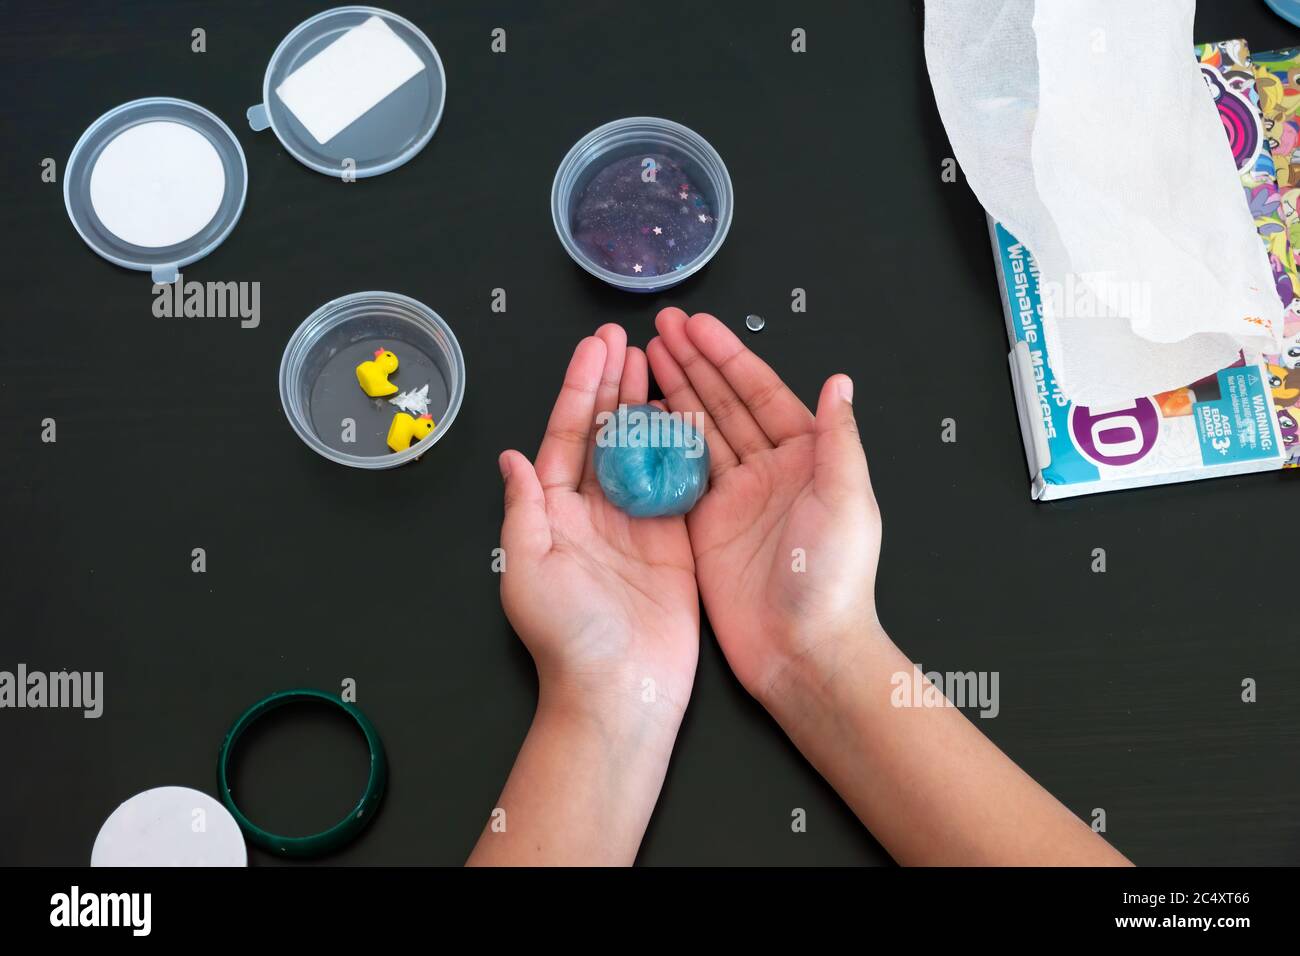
170 826
353 92
155 184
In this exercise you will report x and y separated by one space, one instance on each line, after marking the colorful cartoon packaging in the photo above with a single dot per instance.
1277 81
1277 78
1253 104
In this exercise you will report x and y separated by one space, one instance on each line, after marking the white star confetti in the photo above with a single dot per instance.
658 231
637 267
703 218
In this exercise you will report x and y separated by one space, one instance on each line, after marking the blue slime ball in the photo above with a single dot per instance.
650 462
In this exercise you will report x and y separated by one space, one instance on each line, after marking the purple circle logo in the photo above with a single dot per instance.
1115 436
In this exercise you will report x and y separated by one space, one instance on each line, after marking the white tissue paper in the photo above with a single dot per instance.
1086 129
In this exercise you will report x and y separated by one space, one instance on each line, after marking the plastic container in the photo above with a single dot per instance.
631 143
164 262
384 137
1288 10
318 386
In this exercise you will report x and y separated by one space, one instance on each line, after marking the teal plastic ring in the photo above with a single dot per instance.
343 832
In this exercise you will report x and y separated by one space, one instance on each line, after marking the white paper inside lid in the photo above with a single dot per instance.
157 184
348 78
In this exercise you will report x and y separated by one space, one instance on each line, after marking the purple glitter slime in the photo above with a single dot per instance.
638 224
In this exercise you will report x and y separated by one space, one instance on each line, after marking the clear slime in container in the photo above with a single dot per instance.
319 388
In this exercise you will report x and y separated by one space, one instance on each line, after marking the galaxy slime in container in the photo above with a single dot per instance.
642 203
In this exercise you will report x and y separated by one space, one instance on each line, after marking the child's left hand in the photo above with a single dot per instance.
606 604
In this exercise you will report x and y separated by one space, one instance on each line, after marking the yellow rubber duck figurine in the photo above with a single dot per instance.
373 374
406 430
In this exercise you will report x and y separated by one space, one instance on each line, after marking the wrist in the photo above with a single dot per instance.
586 780
827 671
620 707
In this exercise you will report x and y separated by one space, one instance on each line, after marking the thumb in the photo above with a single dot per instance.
525 527
839 466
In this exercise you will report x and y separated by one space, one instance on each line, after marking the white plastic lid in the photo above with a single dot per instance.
170 826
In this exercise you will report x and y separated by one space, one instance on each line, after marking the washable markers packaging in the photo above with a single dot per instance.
1225 424
1240 419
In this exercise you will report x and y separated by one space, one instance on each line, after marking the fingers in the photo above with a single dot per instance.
682 398
775 408
563 455
525 528
839 465
635 387
615 340
607 393
719 400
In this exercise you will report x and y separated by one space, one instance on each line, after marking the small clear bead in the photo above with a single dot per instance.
754 323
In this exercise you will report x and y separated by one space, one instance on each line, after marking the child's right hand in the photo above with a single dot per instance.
787 538
786 544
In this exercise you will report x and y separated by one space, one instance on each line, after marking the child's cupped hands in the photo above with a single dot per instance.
784 544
